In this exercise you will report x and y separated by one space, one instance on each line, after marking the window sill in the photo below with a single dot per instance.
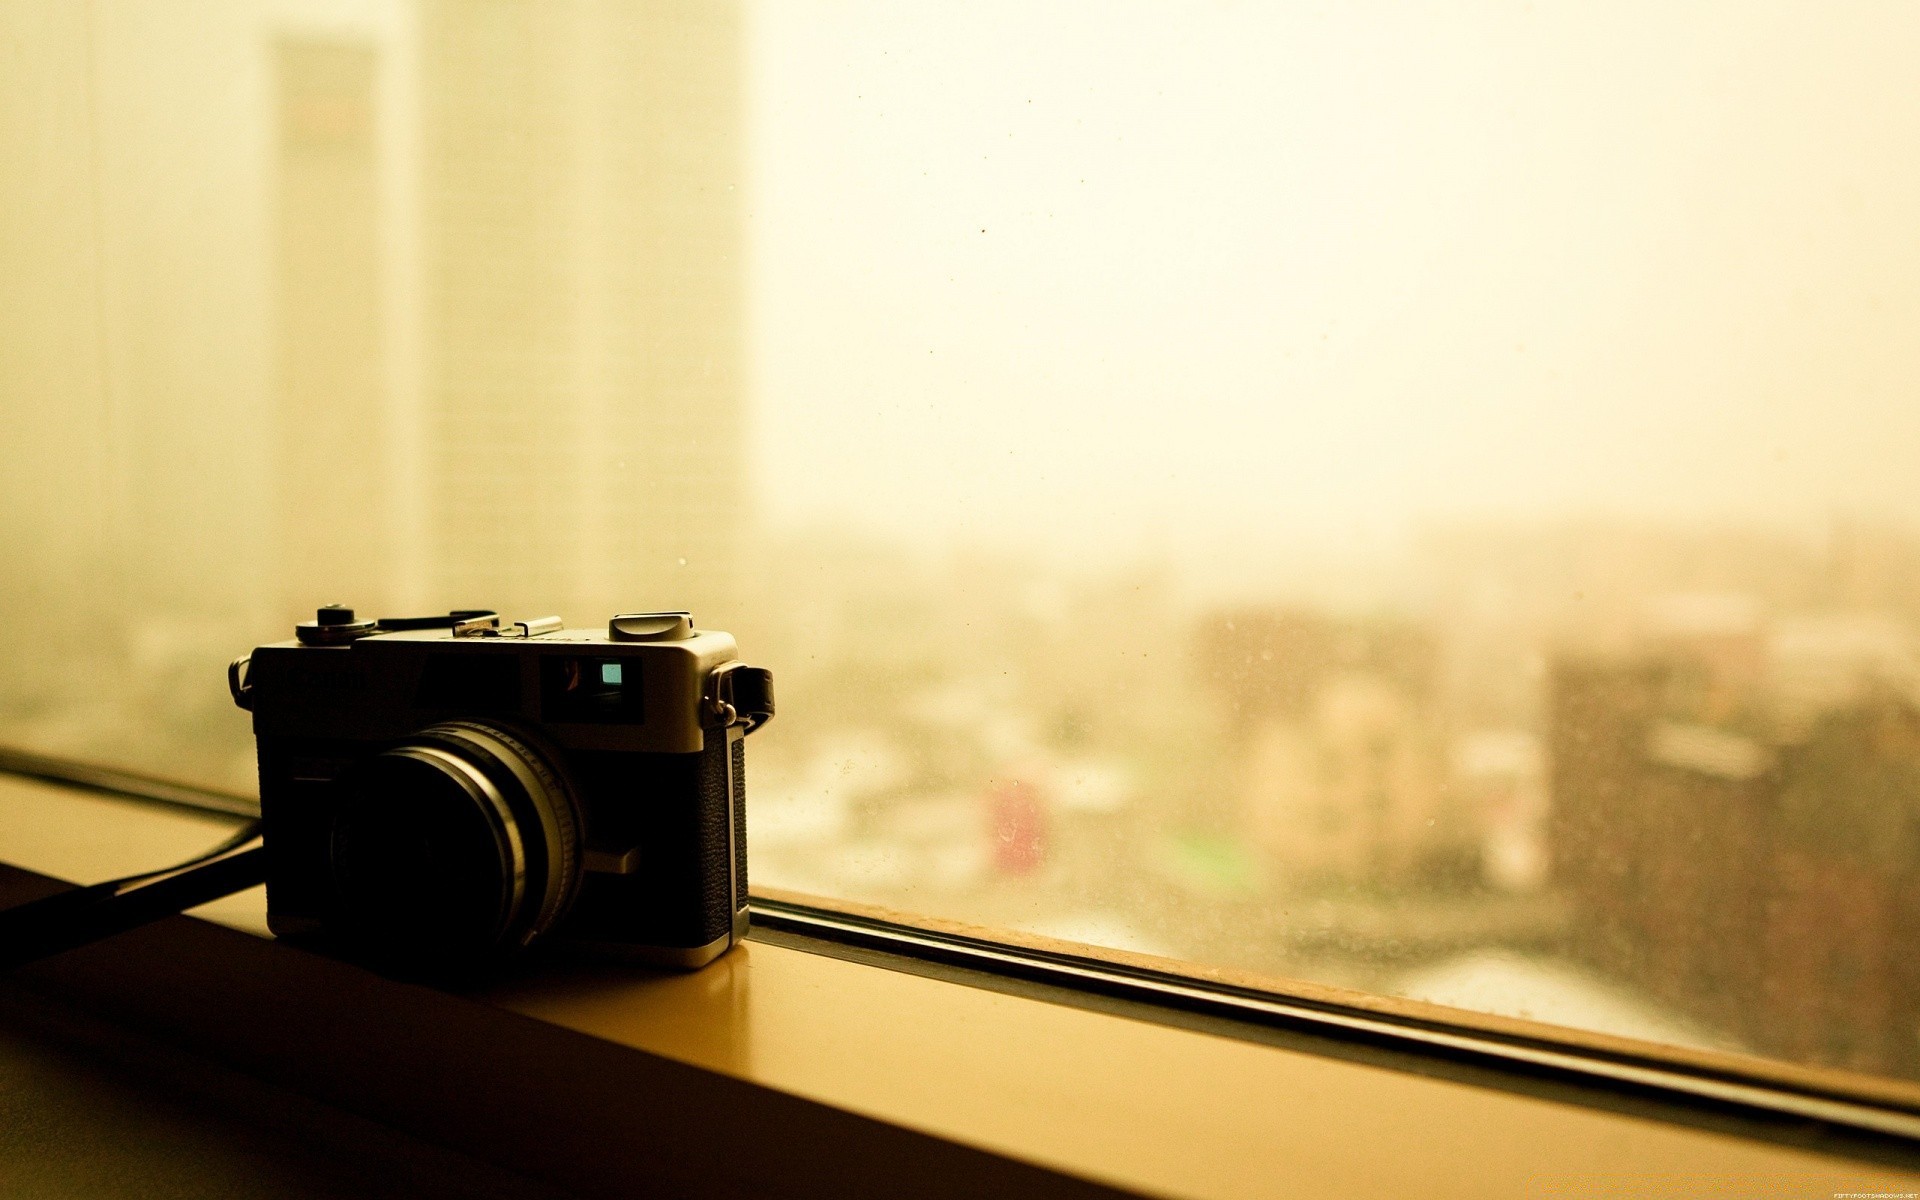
780 1070
1139 1105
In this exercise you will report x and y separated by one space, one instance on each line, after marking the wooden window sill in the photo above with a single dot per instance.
782 1071
812 1075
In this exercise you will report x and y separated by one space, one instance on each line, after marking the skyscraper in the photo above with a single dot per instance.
582 304
333 496
509 309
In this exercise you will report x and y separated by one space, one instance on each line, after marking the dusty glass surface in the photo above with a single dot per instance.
1417 499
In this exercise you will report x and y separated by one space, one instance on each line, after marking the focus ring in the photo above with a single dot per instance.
553 807
506 828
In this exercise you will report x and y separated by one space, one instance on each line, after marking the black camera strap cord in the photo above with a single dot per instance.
66 920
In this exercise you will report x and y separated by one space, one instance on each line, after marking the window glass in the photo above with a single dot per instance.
1413 498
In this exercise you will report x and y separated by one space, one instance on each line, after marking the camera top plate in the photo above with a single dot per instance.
582 688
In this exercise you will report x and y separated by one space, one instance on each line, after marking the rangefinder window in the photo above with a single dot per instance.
592 689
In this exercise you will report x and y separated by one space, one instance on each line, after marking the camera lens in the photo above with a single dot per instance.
453 847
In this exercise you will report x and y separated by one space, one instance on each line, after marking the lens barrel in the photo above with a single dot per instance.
453 847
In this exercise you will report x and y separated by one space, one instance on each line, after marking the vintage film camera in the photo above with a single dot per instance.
438 792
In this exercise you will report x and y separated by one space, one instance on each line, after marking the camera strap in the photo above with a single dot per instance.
69 919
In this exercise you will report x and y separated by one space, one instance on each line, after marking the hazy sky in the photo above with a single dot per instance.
1099 274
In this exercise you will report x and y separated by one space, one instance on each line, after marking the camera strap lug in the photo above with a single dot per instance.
738 694
238 683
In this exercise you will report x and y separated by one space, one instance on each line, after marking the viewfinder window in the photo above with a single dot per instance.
591 689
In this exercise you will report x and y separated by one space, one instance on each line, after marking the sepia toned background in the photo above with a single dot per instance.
1415 498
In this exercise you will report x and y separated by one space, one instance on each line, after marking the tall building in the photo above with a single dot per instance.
1339 752
334 525
509 309
1766 887
582 304
133 366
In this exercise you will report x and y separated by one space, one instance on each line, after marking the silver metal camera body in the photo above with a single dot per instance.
439 792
